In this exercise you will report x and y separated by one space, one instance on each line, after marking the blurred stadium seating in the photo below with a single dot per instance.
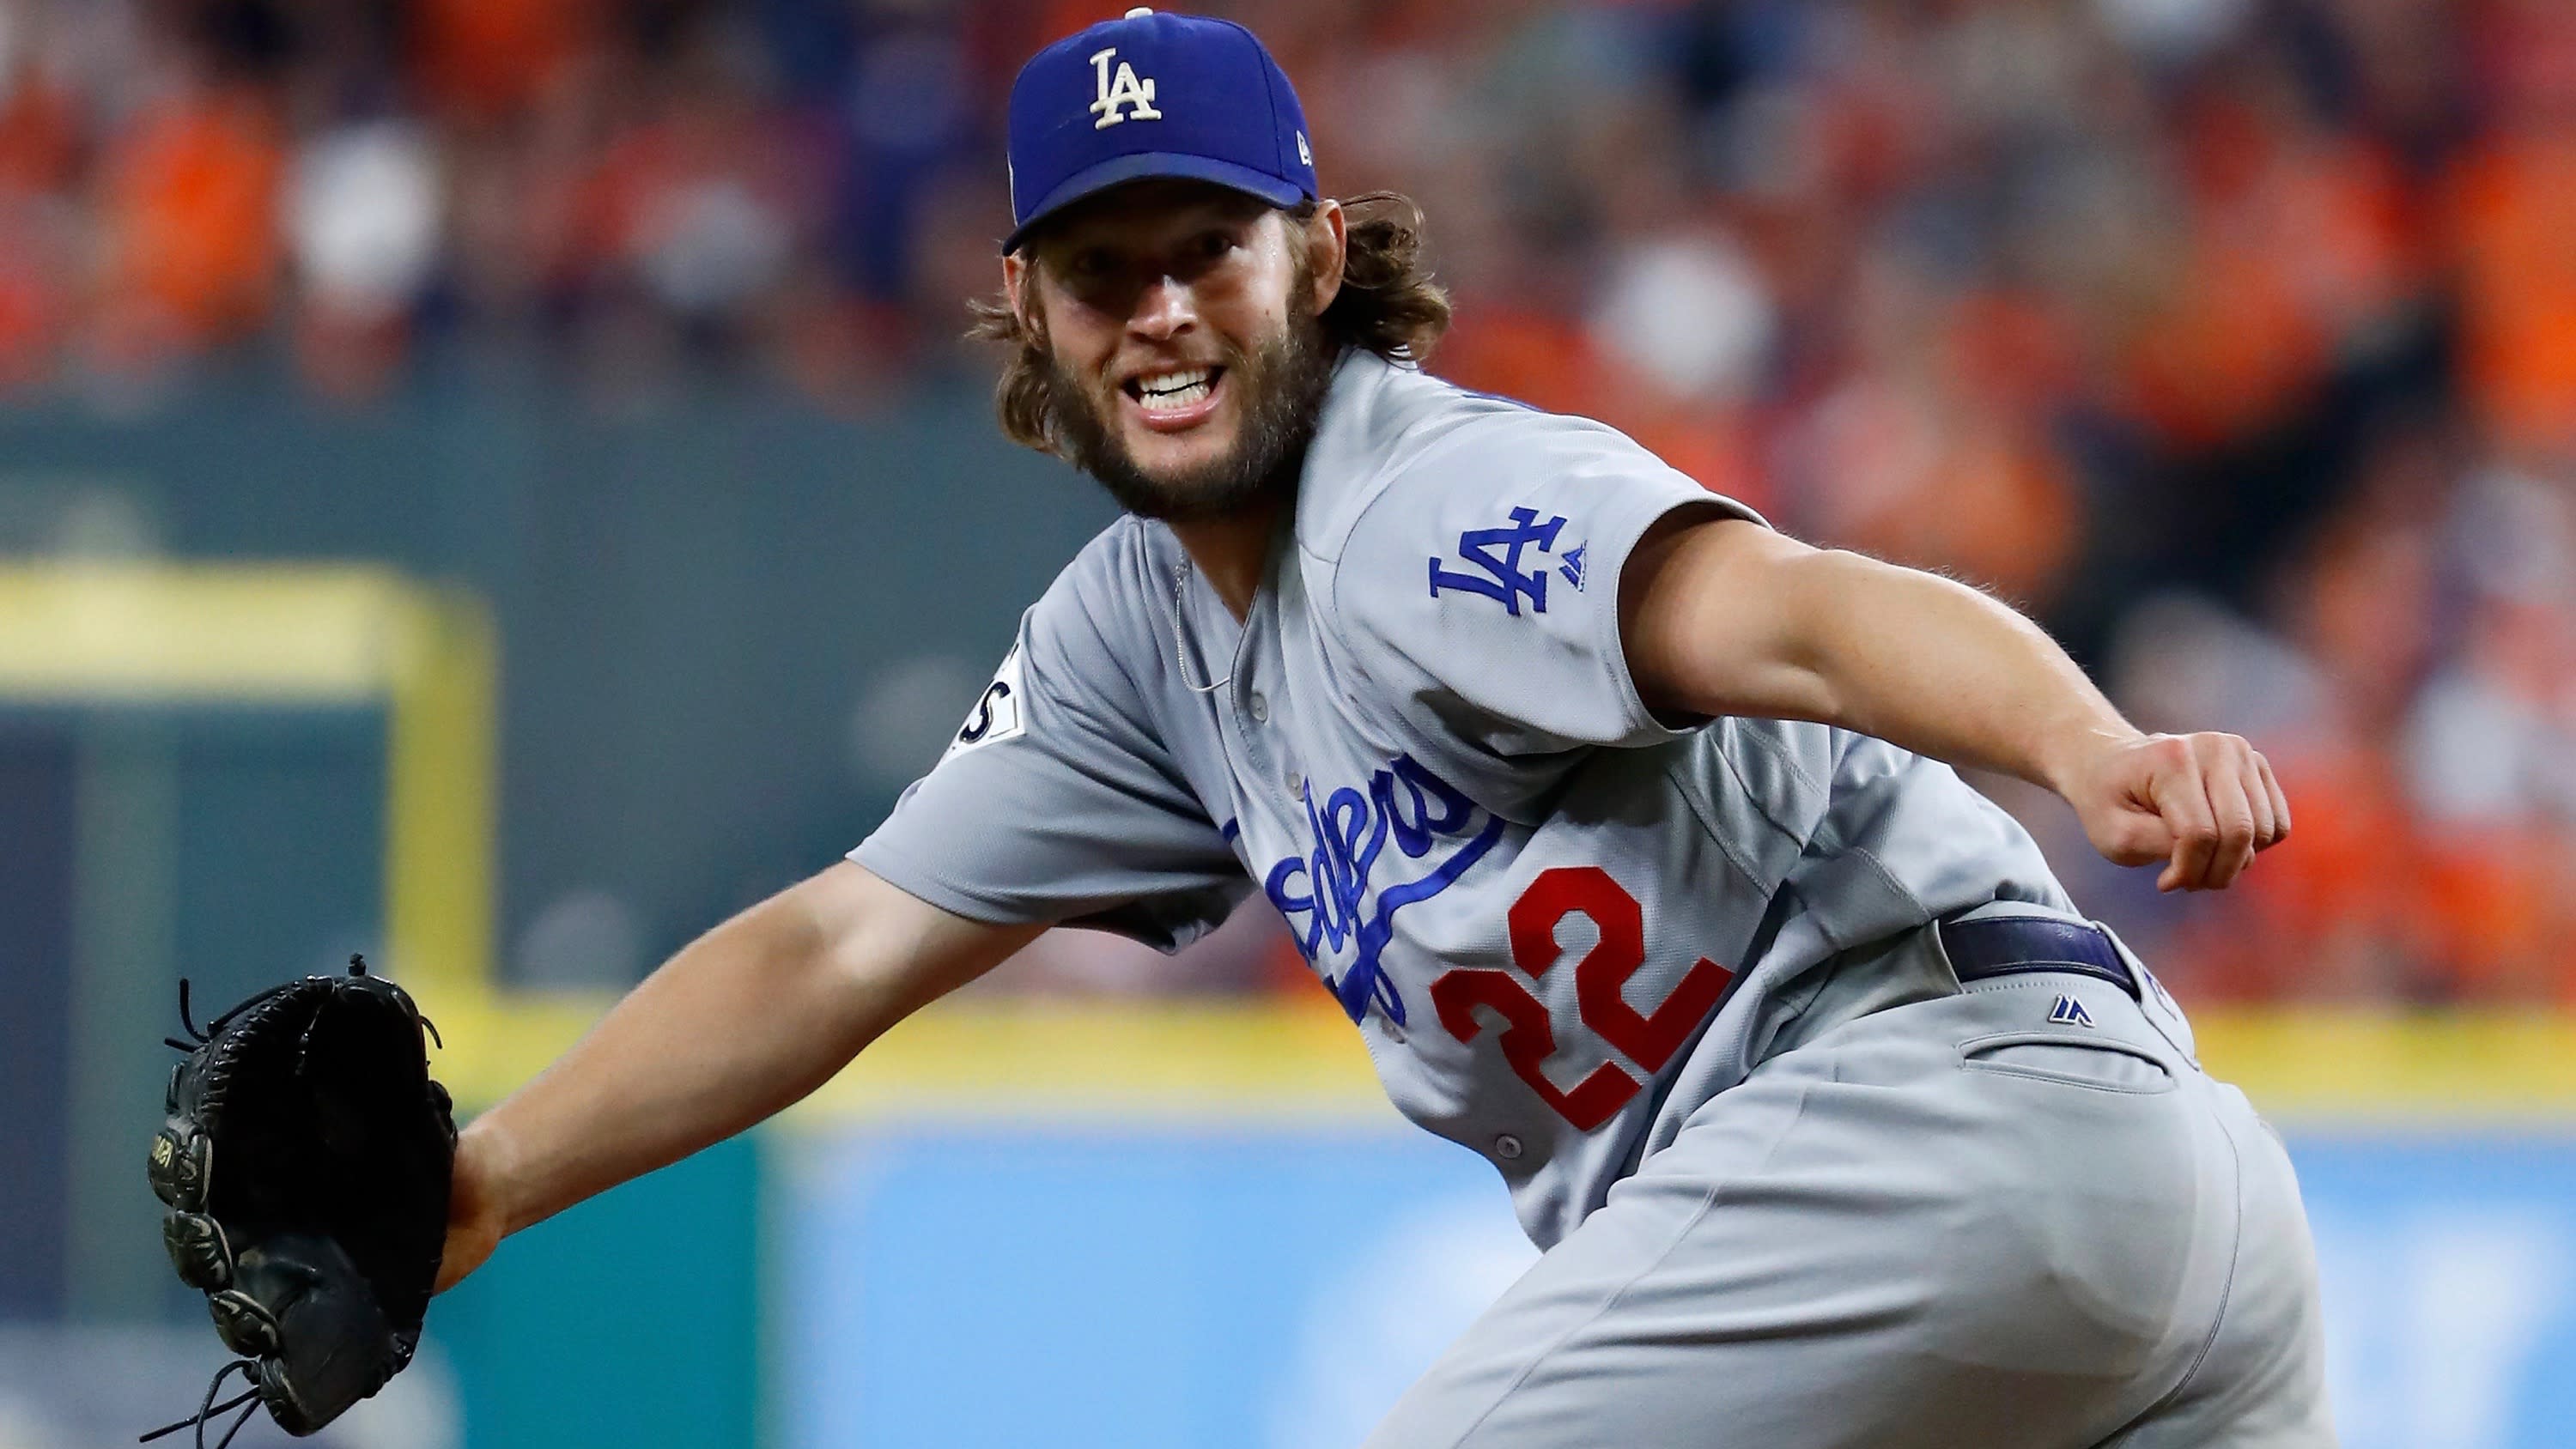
2236 339
2231 336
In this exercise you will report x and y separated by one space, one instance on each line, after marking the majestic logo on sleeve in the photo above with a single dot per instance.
997 713
1327 898
1497 551
1123 89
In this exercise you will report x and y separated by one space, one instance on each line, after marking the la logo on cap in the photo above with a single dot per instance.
1124 89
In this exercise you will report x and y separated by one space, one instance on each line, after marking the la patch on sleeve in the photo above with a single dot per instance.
997 714
1498 552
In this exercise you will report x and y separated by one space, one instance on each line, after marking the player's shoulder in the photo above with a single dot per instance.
1397 444
1118 567
1101 608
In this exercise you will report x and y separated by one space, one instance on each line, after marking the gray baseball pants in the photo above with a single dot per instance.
1952 1224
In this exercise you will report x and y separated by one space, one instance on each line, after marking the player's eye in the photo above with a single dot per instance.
1204 251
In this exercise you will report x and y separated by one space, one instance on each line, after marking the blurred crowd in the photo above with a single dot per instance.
2234 338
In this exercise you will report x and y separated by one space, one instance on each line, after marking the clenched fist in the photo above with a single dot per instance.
2201 803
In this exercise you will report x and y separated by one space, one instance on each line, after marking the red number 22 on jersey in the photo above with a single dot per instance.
1647 1038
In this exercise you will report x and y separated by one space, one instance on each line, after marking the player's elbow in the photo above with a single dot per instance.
879 953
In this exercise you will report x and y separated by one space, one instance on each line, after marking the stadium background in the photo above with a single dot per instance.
494 483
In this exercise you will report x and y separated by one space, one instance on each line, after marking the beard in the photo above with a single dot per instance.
1282 382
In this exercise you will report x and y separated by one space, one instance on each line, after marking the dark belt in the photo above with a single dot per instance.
2016 945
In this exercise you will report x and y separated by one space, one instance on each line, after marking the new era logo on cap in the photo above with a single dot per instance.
1153 95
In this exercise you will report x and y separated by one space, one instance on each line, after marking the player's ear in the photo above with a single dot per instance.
1327 251
1015 277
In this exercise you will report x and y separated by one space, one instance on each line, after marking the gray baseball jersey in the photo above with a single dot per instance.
1562 922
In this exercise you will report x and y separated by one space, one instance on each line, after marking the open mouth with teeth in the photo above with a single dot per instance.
1176 392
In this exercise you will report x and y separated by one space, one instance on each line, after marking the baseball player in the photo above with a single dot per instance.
1615 820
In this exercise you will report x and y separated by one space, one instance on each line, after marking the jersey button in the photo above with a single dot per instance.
1260 709
1507 1147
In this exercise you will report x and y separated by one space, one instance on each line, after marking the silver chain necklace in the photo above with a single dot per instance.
1180 641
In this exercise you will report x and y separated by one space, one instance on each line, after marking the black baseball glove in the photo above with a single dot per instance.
306 1162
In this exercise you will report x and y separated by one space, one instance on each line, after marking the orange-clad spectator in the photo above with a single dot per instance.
2340 218
2489 914
2333 918
1710 445
701 204
2365 613
39 150
2514 208
1064 17
192 241
1683 327
1930 450
1908 471
2494 771
2230 350
1528 354
1551 361
1878 121
33 300
2230 344
488 60
39 135
2527 60
2300 239
2014 349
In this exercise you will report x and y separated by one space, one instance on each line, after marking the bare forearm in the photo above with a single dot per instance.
735 1027
1728 618
1941 669
1734 620
742 1023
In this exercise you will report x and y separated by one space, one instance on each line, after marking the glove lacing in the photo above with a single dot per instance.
247 1401
201 1034
204 1034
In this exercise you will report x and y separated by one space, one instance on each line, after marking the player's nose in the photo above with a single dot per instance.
1164 308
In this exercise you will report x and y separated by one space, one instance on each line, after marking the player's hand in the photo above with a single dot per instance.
2202 803
476 1217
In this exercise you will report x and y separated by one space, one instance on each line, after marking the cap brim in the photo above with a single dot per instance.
1154 166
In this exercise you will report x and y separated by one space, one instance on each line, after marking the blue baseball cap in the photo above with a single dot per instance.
1148 96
